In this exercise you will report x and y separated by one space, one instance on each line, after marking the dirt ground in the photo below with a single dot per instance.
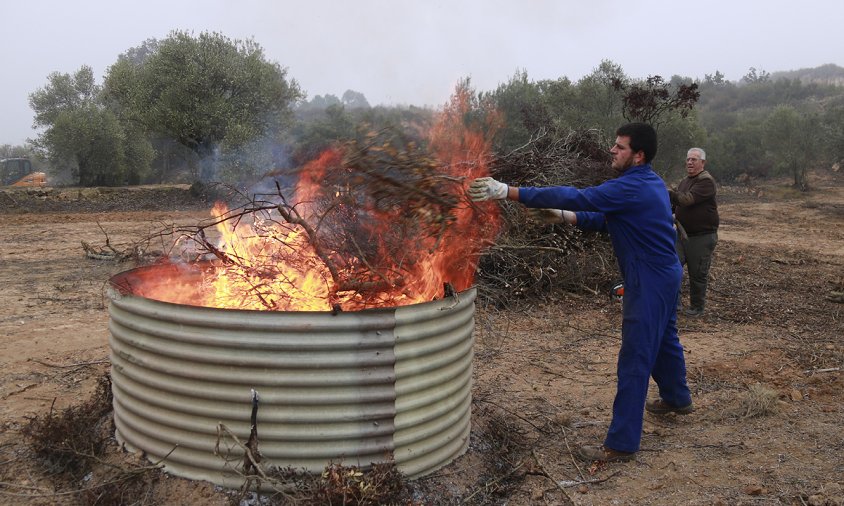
764 363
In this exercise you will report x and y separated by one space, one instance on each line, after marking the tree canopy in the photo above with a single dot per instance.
206 92
772 124
82 138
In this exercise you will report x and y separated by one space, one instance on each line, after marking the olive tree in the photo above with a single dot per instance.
598 101
792 139
736 149
522 104
208 93
832 126
82 139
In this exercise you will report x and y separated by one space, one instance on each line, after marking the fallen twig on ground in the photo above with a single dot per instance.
493 482
69 366
545 473
817 371
574 483
221 430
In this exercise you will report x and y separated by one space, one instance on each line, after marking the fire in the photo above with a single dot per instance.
466 152
275 268
289 258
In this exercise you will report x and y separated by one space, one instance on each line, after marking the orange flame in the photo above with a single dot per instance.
466 152
266 274
270 264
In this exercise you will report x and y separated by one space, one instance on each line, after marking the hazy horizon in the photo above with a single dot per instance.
413 53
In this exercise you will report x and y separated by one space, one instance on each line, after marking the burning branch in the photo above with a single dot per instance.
374 221
293 217
398 171
383 220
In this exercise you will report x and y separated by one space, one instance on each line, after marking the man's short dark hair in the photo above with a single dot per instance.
642 138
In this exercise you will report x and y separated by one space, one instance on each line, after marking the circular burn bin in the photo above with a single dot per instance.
349 387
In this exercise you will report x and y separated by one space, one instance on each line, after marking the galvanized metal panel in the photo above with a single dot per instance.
326 384
433 382
347 387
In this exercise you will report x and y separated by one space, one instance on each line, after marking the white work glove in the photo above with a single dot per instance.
553 216
486 188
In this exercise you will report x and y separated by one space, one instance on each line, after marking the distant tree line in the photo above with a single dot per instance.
208 108
766 125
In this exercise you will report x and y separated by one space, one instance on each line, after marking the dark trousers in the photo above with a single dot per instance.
696 254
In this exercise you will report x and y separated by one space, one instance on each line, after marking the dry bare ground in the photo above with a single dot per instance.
764 363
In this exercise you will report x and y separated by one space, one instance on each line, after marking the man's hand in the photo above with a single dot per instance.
486 188
553 216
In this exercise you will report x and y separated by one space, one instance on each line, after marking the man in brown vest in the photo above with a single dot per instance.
695 208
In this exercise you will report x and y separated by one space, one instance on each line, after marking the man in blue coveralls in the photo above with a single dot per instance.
634 208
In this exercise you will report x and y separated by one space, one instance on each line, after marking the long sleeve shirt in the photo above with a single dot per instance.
634 208
694 204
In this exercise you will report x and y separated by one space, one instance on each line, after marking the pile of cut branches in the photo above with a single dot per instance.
68 442
350 485
138 251
534 261
72 447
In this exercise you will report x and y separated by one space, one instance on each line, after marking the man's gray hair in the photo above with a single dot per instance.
699 150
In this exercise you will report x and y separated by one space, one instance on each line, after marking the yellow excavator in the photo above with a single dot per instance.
18 172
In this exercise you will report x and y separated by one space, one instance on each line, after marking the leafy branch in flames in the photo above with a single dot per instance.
369 209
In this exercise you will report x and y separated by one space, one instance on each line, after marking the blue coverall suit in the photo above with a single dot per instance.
635 210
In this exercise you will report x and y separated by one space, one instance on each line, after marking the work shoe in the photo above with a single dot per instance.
660 407
604 454
693 311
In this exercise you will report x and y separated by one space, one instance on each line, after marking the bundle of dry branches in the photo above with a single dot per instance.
533 261
136 251
72 448
68 442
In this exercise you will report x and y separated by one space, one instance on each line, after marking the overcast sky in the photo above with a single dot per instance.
413 52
